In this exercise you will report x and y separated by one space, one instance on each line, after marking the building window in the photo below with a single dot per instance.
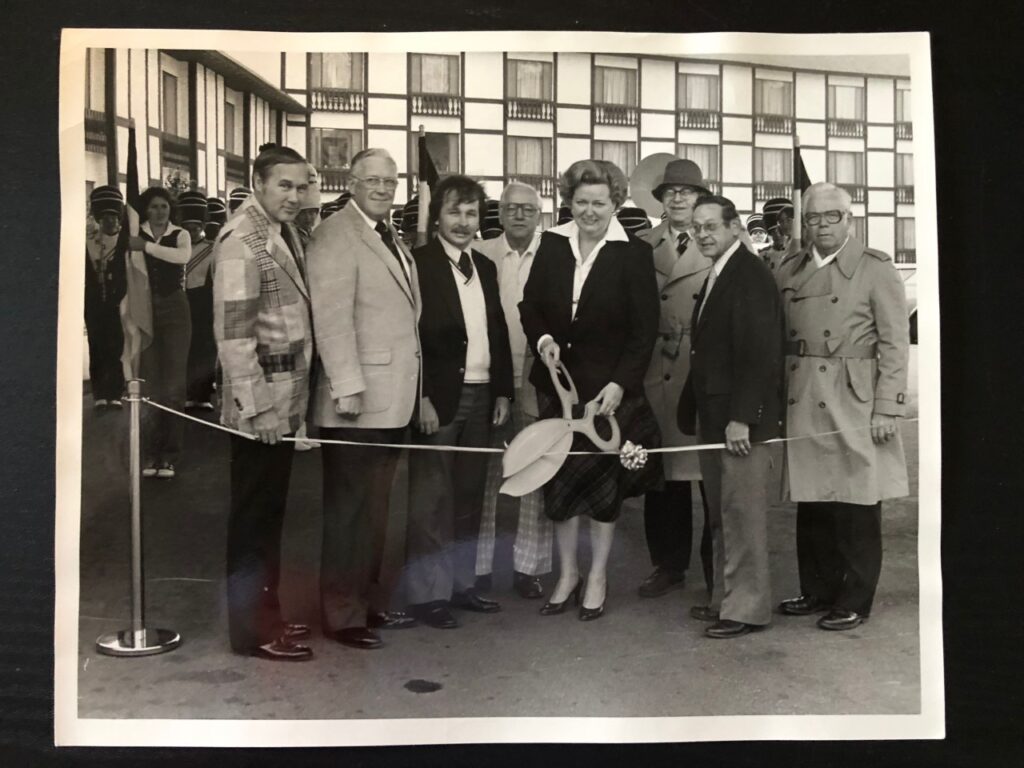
622 153
698 101
905 250
846 169
170 105
343 71
529 160
95 80
904 177
433 74
615 86
229 128
773 173
846 111
443 149
773 106
331 151
706 158
531 80
859 229
904 114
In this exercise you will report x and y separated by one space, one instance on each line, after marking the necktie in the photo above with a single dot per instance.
682 242
707 291
466 265
385 235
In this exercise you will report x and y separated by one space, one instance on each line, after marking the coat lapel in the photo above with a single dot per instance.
442 274
690 263
664 251
375 244
278 249
602 263
718 290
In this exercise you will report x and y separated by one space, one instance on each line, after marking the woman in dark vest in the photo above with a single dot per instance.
165 361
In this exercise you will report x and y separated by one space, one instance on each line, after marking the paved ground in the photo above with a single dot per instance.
645 657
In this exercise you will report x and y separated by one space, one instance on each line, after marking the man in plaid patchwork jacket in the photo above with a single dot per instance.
265 345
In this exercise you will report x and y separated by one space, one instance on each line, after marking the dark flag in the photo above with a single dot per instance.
801 180
137 305
427 169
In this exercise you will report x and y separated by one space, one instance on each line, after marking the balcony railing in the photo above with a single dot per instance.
858 192
95 131
545 185
236 169
175 152
436 105
530 109
846 129
333 179
773 124
614 114
906 256
766 190
904 130
702 119
905 195
714 187
336 100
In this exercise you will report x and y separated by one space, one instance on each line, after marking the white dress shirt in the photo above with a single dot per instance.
716 272
474 313
373 225
614 233
822 261
513 272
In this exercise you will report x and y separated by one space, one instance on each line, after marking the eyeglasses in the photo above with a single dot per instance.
830 217
376 182
711 227
520 209
679 192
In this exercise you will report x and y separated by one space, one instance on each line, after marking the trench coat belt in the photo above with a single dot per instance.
804 348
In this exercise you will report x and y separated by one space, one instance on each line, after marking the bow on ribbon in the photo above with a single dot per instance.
537 453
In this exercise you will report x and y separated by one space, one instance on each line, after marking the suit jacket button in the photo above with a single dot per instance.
827 334
835 299
696 296
792 333
792 401
822 368
821 405
668 376
569 345
462 370
793 367
664 297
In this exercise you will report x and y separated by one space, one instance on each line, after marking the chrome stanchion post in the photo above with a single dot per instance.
137 641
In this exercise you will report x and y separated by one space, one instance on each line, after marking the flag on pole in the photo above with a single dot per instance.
427 173
801 181
137 305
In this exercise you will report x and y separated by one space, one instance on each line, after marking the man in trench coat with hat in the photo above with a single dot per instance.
681 270
847 348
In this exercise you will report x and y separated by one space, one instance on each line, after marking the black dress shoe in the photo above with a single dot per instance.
296 631
704 613
804 605
437 616
838 619
726 628
358 637
550 609
528 587
282 649
660 582
390 620
471 601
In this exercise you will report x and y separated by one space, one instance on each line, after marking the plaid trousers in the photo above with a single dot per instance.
532 549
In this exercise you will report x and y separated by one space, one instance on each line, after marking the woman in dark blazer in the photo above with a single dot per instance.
592 302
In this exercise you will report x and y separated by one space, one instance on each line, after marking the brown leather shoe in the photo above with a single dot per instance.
838 619
724 629
804 605
704 613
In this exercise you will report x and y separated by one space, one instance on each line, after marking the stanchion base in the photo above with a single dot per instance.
152 642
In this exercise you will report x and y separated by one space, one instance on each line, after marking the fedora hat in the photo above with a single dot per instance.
681 173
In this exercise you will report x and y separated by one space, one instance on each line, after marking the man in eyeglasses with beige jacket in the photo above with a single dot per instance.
847 347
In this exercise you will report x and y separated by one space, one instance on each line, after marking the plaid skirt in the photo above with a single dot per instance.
597 485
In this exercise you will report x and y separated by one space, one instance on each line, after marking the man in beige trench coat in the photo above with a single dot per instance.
846 361
681 271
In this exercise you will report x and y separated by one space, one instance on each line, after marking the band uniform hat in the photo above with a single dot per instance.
755 221
410 216
191 207
773 207
105 199
564 215
633 220
681 173
491 227
396 219
331 207
216 210
237 196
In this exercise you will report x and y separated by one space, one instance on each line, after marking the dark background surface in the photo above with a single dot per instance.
978 106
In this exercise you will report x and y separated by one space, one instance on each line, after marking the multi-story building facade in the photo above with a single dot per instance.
199 117
504 116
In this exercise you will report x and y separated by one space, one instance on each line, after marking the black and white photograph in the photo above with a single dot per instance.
425 388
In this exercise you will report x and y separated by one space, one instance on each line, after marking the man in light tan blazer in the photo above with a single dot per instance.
366 304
